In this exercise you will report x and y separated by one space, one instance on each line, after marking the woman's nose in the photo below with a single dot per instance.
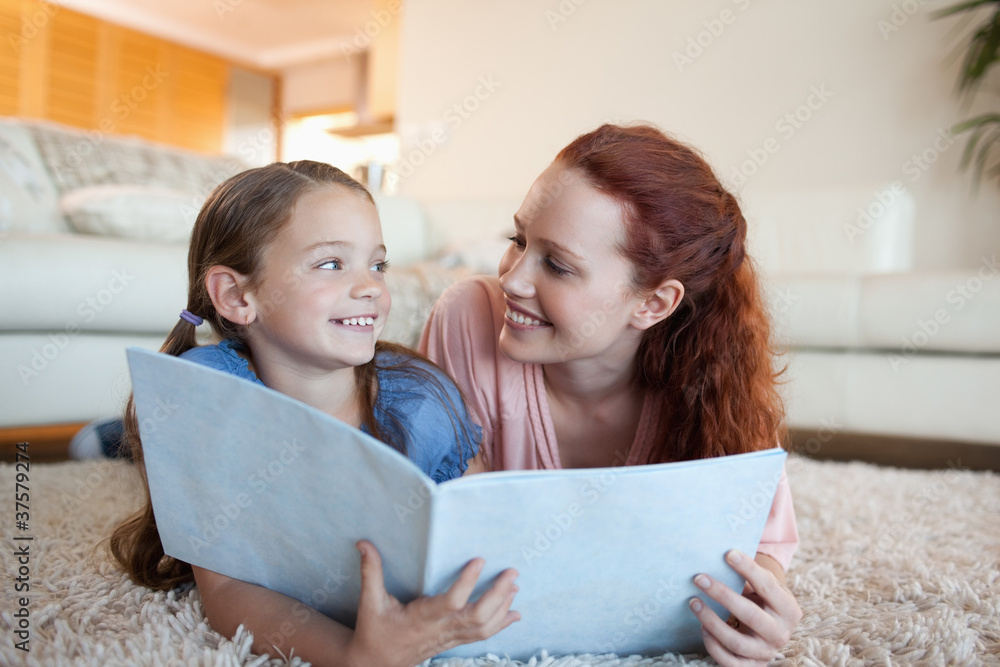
515 276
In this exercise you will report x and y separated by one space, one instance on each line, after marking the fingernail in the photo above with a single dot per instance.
735 557
696 605
702 581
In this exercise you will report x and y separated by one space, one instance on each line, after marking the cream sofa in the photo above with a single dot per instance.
93 259
87 270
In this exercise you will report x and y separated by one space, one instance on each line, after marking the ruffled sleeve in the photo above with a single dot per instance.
428 414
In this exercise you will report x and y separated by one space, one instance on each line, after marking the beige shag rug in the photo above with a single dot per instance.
895 567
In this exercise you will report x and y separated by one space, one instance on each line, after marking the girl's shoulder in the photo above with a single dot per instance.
224 356
402 375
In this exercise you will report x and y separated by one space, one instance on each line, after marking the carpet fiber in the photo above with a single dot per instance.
894 567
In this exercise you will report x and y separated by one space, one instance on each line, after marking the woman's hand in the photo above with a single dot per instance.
389 633
762 619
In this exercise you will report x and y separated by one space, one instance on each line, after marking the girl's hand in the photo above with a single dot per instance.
389 633
762 619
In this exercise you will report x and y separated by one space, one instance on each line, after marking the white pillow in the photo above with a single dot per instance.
138 212
28 199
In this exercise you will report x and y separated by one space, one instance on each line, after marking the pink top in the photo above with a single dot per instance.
512 406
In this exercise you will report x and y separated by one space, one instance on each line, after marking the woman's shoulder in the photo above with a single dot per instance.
472 296
224 356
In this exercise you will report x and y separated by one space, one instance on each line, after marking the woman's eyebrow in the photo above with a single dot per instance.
561 248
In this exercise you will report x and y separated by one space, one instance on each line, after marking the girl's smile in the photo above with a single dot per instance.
322 302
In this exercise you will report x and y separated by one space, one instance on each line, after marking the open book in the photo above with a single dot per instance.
258 486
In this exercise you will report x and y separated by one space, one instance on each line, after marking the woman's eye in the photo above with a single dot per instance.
516 240
333 264
381 267
555 268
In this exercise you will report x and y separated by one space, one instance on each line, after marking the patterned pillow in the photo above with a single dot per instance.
79 158
28 201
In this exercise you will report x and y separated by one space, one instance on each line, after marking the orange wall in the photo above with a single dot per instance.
68 67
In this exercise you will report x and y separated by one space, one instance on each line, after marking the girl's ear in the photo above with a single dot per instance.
228 291
659 305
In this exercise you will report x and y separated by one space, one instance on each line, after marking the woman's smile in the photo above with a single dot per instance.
522 318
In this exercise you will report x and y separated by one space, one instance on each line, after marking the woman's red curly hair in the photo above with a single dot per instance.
712 358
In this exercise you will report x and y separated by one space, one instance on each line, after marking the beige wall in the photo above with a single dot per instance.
489 91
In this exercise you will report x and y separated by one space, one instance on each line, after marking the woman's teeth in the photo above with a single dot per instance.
362 321
521 319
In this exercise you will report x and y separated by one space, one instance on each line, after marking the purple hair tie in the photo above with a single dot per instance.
191 317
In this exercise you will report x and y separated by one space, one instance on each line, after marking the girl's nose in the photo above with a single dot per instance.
369 285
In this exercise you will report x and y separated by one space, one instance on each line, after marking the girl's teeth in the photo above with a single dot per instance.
363 321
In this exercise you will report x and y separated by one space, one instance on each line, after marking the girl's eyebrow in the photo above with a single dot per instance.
339 244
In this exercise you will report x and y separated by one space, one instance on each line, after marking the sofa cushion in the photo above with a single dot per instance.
813 310
857 229
956 311
28 199
73 283
140 212
940 311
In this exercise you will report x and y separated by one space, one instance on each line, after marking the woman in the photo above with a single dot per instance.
627 327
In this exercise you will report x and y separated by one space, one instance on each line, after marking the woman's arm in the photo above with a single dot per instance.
388 633
762 618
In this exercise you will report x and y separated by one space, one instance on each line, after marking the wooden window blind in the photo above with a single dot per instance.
68 67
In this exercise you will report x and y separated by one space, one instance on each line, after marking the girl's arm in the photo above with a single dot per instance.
762 618
388 633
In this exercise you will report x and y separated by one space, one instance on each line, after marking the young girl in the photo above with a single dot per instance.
627 327
287 265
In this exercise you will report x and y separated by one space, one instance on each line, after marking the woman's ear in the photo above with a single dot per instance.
228 291
659 305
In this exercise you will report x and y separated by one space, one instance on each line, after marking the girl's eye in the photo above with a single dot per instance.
516 240
555 268
333 264
381 267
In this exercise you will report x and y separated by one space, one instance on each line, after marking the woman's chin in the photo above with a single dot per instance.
511 343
